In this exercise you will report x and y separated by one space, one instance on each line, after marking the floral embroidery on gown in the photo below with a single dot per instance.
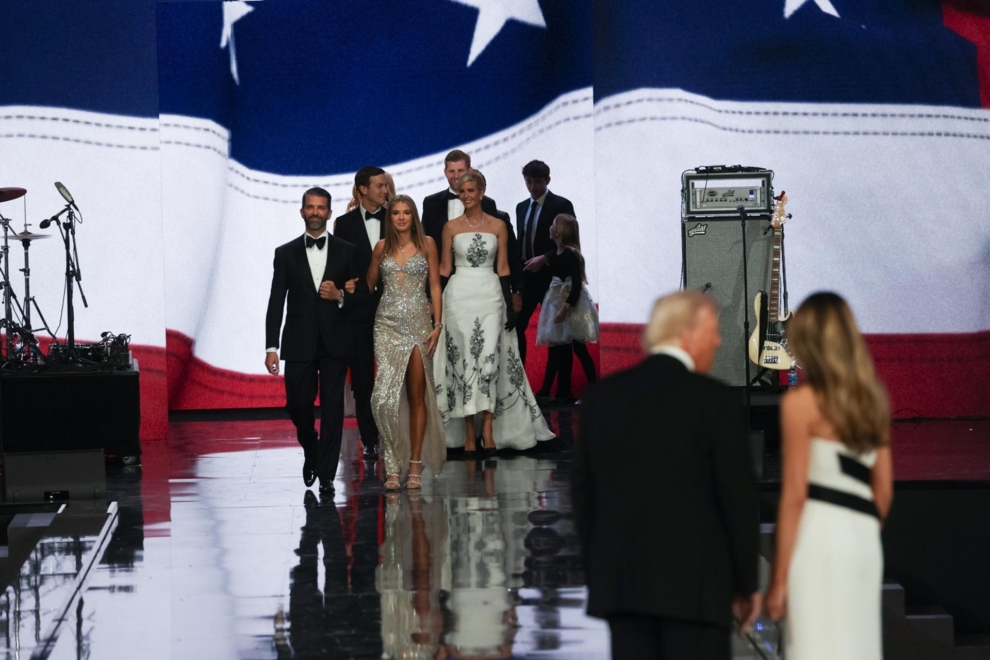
477 366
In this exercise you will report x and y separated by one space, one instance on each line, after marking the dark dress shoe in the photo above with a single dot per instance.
326 490
309 475
371 453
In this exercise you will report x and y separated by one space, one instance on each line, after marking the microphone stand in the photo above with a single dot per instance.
746 301
67 228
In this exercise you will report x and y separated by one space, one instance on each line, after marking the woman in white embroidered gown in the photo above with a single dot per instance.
477 369
836 491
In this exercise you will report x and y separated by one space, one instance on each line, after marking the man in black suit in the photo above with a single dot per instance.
442 206
533 219
364 227
317 341
664 495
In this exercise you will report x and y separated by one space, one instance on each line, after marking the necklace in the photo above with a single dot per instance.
402 248
468 222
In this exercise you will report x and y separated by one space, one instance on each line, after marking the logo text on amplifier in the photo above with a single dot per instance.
697 230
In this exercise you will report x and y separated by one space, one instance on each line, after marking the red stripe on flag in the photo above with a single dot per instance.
971 20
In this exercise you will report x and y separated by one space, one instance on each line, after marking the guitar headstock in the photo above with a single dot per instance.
779 214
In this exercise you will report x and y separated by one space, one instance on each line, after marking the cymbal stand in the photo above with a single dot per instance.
32 348
8 320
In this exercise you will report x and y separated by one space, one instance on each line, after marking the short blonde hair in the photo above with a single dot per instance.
473 175
673 314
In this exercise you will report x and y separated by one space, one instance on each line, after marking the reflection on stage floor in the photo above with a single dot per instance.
220 552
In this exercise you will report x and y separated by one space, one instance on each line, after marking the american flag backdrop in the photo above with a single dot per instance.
187 130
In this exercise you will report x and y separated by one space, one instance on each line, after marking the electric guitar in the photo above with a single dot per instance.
768 344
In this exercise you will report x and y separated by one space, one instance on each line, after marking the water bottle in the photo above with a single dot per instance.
792 379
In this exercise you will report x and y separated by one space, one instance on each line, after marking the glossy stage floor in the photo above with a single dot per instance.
220 552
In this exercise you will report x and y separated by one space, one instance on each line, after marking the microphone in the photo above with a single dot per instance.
45 224
741 210
707 287
66 195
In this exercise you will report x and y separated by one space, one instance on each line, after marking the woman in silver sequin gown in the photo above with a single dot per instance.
478 370
404 399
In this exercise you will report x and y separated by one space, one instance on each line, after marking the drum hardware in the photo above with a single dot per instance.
22 346
73 274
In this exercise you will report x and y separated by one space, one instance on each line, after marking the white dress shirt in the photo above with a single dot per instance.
455 208
531 228
674 352
317 259
371 225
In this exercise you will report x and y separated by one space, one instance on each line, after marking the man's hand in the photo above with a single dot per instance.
517 302
535 263
271 363
747 610
350 286
329 291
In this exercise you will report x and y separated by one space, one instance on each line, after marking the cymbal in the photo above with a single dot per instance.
28 236
7 194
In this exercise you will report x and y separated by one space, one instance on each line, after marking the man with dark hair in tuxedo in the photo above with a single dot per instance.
533 219
364 227
669 538
317 341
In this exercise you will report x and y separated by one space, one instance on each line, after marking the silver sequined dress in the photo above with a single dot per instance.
403 322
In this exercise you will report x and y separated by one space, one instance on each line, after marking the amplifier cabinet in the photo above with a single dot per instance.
713 260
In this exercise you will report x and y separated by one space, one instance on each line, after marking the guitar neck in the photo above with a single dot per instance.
774 303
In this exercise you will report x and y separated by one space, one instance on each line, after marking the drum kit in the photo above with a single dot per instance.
21 347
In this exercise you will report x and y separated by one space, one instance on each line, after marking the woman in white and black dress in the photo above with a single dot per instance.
836 491
479 375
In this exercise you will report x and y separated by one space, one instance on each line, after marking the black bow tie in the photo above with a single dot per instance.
318 242
379 214
451 195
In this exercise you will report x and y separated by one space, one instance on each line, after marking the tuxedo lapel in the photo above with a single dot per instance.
302 261
333 253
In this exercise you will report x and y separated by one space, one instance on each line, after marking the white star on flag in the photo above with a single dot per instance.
233 12
493 14
791 6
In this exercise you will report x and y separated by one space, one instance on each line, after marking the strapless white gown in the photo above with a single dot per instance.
477 367
836 573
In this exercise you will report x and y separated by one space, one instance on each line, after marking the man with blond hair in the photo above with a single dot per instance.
664 495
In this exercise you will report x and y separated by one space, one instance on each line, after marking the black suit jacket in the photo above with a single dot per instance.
515 258
664 495
350 227
308 317
435 214
553 205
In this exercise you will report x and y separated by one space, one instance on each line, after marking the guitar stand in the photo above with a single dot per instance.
765 382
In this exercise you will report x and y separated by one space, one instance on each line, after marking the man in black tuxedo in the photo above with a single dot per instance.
364 227
664 495
440 207
317 341
533 219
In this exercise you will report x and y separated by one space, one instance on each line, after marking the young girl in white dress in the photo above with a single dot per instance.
836 491
568 316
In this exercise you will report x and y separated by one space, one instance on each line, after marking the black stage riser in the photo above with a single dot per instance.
51 411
